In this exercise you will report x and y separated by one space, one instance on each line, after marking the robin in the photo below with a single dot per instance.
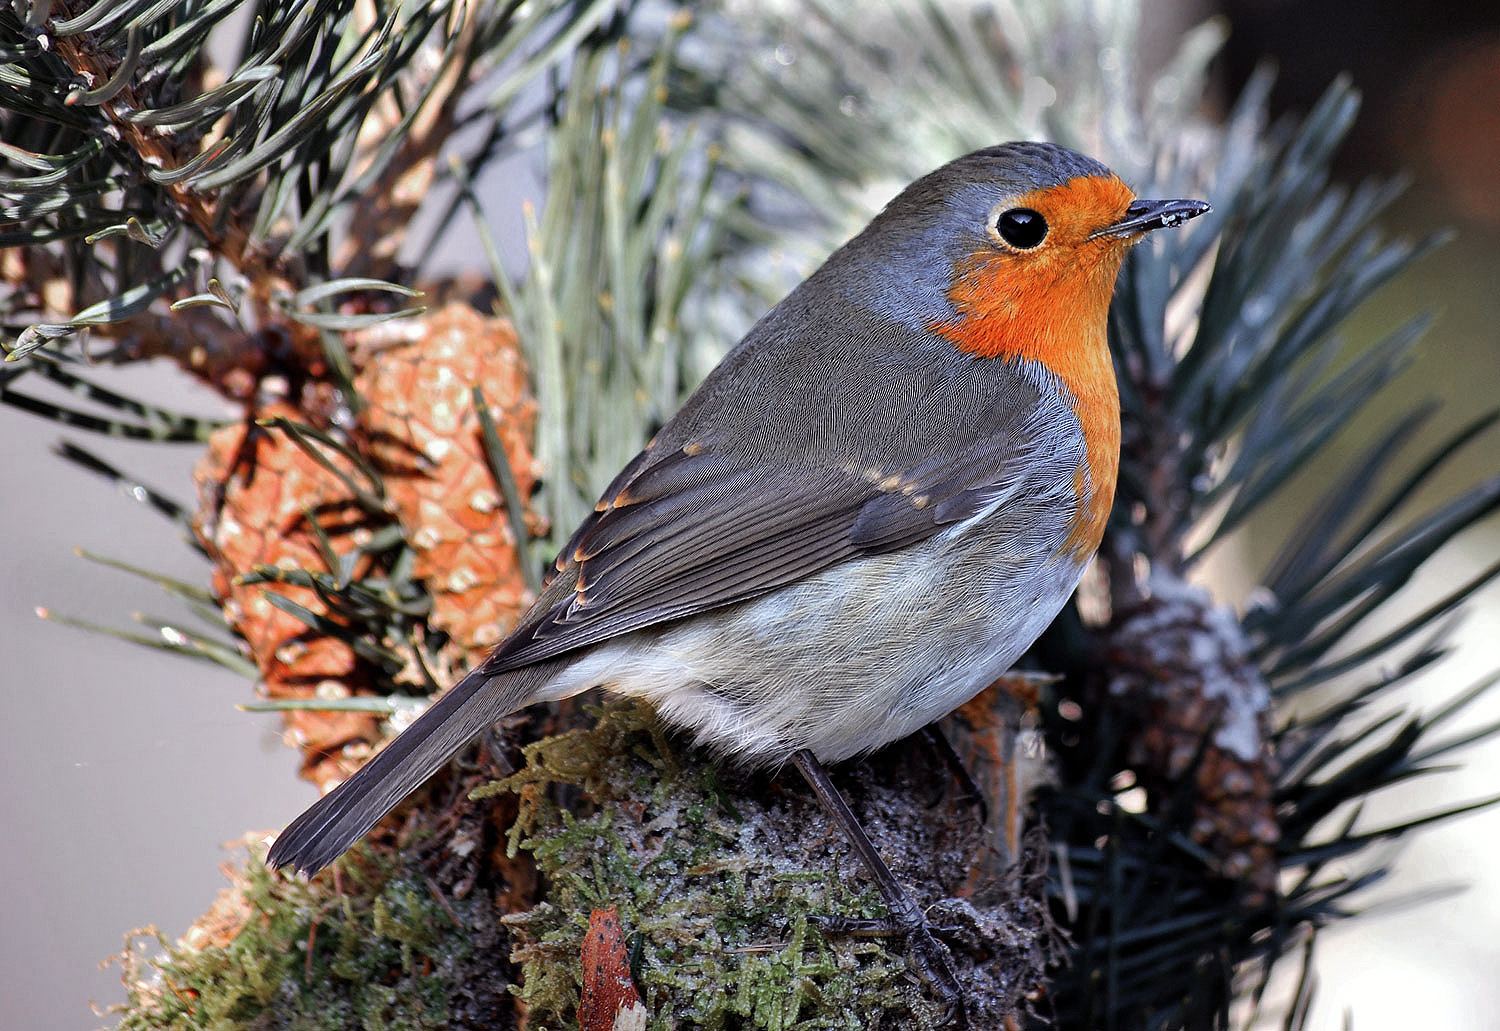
867 511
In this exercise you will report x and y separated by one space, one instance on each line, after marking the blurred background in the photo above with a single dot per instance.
1430 75
130 774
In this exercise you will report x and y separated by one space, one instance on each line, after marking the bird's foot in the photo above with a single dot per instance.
927 957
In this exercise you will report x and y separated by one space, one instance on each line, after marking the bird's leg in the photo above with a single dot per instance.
969 790
927 957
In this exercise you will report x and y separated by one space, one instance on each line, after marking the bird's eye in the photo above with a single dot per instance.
1022 228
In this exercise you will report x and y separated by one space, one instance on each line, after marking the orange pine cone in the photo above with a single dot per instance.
415 377
256 488
418 429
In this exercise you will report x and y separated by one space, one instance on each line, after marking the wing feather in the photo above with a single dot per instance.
716 512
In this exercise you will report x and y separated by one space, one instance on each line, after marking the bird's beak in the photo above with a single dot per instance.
1145 215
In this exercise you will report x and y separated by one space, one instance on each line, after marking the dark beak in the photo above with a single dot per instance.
1145 215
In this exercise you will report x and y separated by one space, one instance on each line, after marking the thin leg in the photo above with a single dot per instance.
926 956
943 749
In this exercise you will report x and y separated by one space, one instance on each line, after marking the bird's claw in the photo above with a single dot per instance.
925 955
931 962
874 927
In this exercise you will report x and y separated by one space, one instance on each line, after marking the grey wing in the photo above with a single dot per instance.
695 529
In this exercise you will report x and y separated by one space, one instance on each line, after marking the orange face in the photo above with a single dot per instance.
1049 303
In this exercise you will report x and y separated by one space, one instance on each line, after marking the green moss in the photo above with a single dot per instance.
720 877
724 897
372 950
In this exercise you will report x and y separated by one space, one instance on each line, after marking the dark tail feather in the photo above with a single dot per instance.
340 818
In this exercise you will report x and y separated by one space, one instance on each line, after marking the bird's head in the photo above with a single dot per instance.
1012 250
1011 253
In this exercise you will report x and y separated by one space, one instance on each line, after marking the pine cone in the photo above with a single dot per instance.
415 377
257 490
417 428
1184 673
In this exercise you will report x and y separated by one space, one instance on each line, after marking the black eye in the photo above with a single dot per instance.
1022 228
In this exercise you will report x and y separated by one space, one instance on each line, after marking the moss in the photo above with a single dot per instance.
372 948
722 876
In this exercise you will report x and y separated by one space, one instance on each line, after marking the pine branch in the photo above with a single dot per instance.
1220 413
303 163
631 220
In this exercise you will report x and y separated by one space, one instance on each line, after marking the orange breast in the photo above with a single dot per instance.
1051 306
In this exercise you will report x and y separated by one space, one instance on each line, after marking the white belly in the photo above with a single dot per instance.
850 659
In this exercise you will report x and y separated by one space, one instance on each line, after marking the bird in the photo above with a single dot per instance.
862 517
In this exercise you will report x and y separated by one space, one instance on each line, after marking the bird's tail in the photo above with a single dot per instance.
340 818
